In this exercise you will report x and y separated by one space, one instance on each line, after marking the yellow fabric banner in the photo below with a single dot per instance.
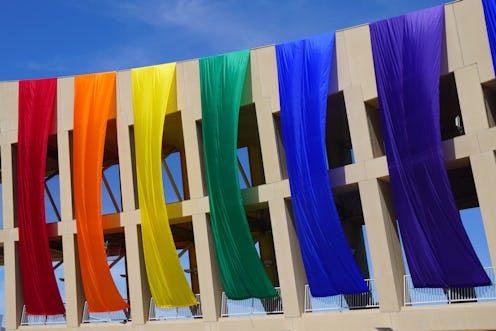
154 94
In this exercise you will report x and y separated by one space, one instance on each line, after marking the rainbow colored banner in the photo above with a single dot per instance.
242 273
36 111
94 102
154 95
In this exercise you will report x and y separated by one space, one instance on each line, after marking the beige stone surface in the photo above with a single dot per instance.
65 104
8 98
265 90
453 59
384 243
361 64
289 257
471 99
484 170
125 122
472 35
467 55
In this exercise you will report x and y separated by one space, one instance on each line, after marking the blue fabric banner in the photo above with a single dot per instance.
303 70
407 57
490 14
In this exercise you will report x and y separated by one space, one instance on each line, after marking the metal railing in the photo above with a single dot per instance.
342 302
252 306
161 314
29 320
119 316
427 296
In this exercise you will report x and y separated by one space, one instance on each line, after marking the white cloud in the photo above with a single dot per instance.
214 22
192 14
119 59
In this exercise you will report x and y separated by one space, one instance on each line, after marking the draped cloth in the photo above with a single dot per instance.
490 15
407 57
94 101
303 71
154 95
242 273
36 113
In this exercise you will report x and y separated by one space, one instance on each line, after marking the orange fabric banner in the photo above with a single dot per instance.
94 101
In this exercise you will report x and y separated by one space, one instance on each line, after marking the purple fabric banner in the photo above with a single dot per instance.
407 57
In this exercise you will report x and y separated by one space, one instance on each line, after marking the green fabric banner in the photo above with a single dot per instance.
242 273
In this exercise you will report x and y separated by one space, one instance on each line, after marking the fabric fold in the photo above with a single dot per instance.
303 72
154 94
242 273
407 59
36 113
94 101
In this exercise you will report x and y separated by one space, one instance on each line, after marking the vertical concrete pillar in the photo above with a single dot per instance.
137 282
7 187
384 243
292 277
358 123
12 280
13 288
341 73
193 155
359 57
9 96
189 103
74 292
65 175
453 58
265 92
124 120
484 171
472 36
65 124
471 99
208 271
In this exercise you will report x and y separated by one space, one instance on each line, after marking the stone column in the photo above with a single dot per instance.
384 243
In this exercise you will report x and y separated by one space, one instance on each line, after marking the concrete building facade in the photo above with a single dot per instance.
361 187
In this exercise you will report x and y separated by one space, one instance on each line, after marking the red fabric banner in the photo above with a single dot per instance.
36 110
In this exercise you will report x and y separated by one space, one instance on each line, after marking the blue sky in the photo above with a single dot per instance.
67 37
